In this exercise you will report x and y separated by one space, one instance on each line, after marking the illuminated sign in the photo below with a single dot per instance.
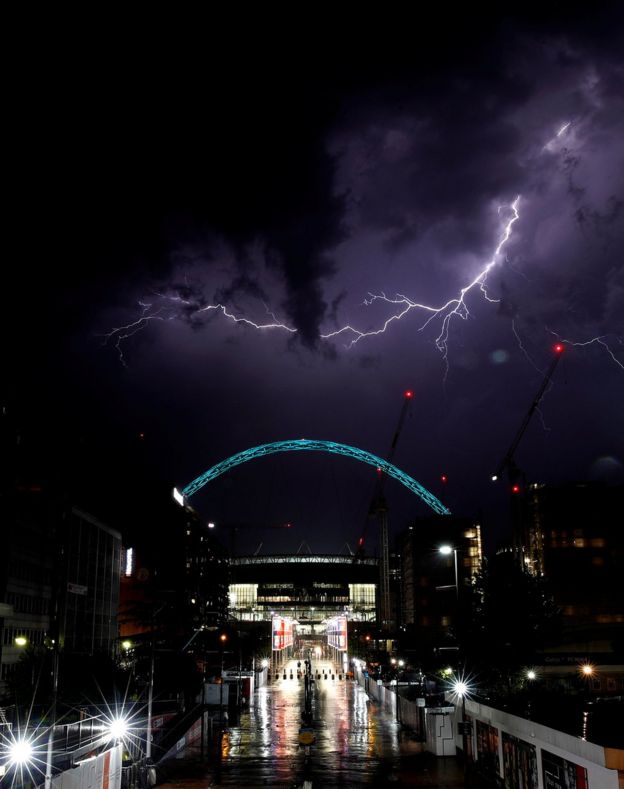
282 633
337 633
129 562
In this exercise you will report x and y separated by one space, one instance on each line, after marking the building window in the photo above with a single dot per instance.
243 595
362 595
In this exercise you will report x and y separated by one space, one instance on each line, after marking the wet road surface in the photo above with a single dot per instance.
357 743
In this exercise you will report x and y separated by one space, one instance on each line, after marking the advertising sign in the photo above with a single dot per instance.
487 749
337 633
559 773
282 633
520 763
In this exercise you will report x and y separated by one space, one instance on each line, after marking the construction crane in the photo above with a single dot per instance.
517 480
379 508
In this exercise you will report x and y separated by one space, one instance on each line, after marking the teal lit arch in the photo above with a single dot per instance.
304 444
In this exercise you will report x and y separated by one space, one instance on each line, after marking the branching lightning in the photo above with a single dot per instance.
172 305
455 307
593 341
168 312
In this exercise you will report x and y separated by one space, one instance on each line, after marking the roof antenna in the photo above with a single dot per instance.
348 551
304 545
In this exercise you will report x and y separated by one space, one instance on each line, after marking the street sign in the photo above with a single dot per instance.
77 588
307 735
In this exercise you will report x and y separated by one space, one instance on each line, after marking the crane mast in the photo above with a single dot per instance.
515 475
379 508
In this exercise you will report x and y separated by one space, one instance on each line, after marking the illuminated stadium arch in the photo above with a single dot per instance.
332 447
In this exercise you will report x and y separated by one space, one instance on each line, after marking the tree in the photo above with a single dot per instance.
509 619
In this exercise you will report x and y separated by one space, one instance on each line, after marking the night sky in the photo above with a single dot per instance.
289 169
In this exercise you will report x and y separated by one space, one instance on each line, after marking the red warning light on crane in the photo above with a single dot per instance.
409 393
559 348
515 488
443 478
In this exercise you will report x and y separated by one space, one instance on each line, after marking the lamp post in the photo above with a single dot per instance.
50 743
446 550
150 701
222 639
531 676
150 689
461 689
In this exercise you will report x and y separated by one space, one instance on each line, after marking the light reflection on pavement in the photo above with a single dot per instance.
357 743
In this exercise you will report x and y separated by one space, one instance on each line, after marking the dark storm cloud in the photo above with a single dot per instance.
279 155
291 180
429 175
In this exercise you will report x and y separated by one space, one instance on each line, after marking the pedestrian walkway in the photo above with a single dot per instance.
357 743
424 770
294 671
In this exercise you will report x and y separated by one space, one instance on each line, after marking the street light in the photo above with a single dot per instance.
587 670
21 641
21 757
117 728
446 550
461 688
20 753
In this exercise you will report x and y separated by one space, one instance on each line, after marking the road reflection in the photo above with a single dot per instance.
357 743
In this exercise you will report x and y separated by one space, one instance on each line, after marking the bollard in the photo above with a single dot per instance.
333 677
339 676
284 676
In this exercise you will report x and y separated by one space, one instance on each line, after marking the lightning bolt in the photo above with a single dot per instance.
563 129
169 312
169 305
230 316
600 340
453 308
522 348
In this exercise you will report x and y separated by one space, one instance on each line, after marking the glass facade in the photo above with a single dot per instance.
293 588
90 588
